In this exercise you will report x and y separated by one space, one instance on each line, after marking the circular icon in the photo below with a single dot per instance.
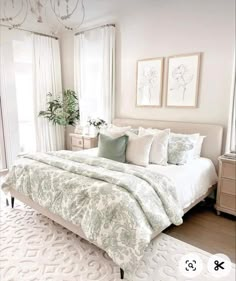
190 265
219 265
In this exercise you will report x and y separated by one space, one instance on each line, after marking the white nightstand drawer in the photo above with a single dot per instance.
79 142
229 171
228 186
90 142
228 201
87 143
226 191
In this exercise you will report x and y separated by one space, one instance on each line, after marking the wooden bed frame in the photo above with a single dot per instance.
213 133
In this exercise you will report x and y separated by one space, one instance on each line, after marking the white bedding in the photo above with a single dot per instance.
191 180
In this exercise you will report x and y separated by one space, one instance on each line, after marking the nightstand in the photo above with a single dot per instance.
226 191
80 142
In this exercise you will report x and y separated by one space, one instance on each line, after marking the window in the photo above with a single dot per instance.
22 56
16 83
95 61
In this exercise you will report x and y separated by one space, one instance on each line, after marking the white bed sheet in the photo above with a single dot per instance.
191 180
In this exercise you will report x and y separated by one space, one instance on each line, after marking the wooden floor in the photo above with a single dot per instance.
204 229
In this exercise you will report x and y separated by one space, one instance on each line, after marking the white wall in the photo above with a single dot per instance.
166 27
67 59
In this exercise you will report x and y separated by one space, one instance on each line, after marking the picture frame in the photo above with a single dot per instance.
149 82
183 79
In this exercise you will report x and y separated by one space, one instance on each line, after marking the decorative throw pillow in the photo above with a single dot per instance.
138 149
159 148
198 147
112 148
114 131
181 148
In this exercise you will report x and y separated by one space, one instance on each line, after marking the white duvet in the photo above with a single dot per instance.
191 180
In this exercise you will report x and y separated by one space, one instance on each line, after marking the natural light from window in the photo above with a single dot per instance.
24 93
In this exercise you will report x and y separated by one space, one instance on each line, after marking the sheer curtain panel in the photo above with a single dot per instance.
47 79
231 136
95 72
10 129
3 163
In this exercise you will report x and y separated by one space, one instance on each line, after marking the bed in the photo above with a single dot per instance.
192 182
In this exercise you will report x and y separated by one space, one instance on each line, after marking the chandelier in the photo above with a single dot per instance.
16 12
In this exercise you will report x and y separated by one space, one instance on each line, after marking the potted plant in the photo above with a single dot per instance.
63 111
96 124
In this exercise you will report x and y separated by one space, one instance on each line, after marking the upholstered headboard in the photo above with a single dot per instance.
212 145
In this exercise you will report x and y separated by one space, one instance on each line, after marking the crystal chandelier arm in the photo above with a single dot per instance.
59 17
36 8
15 25
64 17
83 17
24 19
21 12
6 18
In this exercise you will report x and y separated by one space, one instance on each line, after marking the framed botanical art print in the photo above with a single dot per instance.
149 82
183 80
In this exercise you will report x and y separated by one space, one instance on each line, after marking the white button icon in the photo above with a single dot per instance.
219 265
190 265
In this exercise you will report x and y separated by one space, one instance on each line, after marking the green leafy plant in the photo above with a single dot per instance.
97 123
62 111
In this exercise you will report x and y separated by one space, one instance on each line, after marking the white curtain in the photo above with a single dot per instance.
95 72
47 78
231 136
2 142
10 128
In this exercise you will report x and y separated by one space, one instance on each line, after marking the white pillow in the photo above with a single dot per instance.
138 149
159 149
181 148
114 131
198 147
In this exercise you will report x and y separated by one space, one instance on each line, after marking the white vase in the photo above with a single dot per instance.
93 131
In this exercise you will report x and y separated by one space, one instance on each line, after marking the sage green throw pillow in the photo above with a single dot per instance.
112 148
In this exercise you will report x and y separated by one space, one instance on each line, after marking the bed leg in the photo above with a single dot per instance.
12 202
7 202
121 273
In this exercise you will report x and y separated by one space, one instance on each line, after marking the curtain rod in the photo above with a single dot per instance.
30 31
81 32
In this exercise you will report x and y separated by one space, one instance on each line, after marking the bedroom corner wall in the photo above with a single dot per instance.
164 28
67 59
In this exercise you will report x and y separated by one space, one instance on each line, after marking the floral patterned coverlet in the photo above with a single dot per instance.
118 206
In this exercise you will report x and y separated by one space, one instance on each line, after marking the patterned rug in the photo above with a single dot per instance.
34 248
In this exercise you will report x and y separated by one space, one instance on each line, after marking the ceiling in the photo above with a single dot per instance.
94 10
101 8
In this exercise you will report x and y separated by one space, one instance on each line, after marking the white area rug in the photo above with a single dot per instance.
34 248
